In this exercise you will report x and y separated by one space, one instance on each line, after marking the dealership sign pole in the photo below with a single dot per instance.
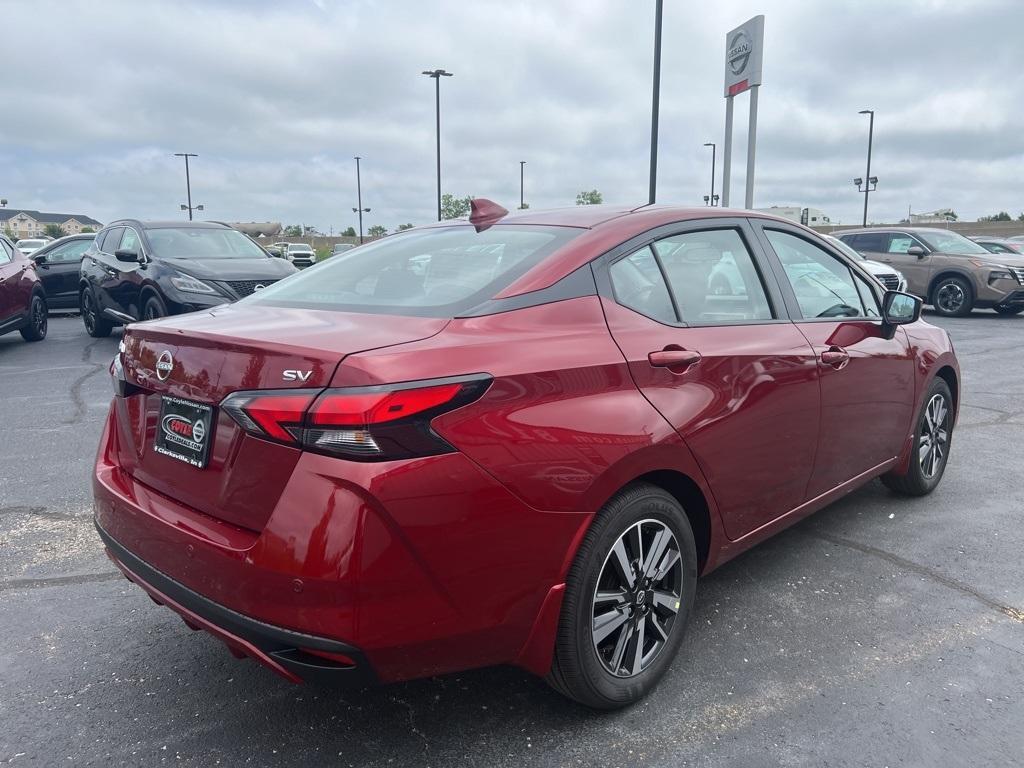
744 49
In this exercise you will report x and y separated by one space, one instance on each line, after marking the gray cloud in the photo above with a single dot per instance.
278 97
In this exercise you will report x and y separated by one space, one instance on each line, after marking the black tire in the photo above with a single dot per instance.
953 296
154 308
580 669
95 325
919 481
38 312
1009 310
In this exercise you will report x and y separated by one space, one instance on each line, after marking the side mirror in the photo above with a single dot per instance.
900 308
124 254
916 250
40 260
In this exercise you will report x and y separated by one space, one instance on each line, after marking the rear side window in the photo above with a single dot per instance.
437 272
713 277
874 242
110 239
639 285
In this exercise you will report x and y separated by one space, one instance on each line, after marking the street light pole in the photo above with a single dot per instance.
867 176
522 205
655 99
437 74
712 145
359 195
188 181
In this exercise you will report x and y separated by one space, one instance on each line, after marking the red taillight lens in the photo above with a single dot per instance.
274 415
361 423
352 408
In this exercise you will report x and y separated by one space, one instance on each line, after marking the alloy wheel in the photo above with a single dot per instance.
932 448
39 319
950 298
637 598
88 312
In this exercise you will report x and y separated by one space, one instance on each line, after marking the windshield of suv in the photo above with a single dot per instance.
202 243
299 247
31 243
438 272
951 242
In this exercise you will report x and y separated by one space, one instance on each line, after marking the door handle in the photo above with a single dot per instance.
836 357
675 359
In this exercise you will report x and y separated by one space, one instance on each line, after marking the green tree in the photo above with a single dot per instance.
1021 217
1001 216
377 230
404 226
88 230
593 197
455 207
10 234
53 230
350 232
293 230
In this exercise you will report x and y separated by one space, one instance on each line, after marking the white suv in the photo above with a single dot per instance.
300 254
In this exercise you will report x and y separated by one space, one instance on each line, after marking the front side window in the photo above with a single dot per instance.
111 239
639 285
900 243
434 272
71 252
130 241
824 285
6 252
713 277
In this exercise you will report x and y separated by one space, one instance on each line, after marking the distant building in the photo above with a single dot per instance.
940 216
24 223
809 217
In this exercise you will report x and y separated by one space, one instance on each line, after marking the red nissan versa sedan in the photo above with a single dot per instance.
514 440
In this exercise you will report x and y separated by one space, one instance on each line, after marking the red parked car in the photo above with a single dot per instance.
22 298
515 440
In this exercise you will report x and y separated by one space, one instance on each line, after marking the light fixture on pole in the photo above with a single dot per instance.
713 196
437 74
872 180
188 185
359 196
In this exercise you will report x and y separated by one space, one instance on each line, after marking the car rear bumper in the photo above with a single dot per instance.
425 566
294 655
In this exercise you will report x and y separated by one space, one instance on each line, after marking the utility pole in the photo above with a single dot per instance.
712 145
188 184
437 74
359 195
522 205
655 99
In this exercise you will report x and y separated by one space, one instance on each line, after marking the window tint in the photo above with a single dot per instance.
713 277
638 284
900 243
874 242
436 272
130 241
69 253
824 285
111 239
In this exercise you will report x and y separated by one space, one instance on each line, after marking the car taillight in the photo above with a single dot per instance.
362 423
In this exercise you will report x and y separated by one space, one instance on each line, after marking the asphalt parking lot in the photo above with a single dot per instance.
880 632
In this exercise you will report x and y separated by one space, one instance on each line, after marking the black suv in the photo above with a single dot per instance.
140 270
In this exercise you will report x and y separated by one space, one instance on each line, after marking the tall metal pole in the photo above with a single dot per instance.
359 197
751 147
655 99
522 164
188 181
712 145
437 74
867 176
727 153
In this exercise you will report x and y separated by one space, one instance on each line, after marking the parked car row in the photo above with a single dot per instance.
946 269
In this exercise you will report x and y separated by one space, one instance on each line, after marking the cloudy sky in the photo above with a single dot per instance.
277 97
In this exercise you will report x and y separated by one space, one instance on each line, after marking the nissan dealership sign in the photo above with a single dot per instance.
744 49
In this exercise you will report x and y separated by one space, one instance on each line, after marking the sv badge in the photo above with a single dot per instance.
293 375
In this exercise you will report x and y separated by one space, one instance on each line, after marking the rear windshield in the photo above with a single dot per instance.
202 243
439 272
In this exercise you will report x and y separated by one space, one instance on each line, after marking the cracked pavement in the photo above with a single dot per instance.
880 631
